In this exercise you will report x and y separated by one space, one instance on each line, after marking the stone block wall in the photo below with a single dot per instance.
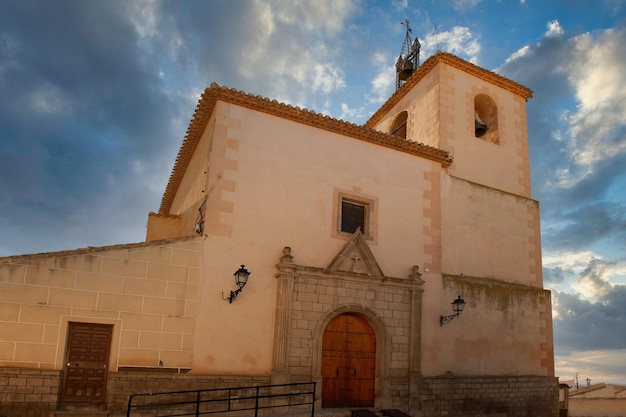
147 291
315 298
400 393
491 396
28 392
34 392
320 295
123 384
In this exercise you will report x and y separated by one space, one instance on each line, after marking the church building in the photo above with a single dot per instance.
397 264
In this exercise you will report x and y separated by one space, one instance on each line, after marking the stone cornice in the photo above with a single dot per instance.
458 63
211 95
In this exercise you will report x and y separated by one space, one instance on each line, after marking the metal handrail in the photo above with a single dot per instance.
222 400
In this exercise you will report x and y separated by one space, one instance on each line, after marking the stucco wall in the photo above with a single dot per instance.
505 329
441 114
282 180
422 106
489 233
596 407
504 166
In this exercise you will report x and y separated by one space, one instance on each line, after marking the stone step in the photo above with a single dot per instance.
84 410
394 413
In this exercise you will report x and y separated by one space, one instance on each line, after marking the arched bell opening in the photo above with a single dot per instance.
486 118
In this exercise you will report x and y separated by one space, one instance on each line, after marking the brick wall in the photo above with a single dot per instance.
490 396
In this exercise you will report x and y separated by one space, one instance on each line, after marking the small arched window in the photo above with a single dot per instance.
399 125
486 118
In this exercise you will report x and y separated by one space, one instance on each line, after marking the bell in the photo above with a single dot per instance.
479 128
406 71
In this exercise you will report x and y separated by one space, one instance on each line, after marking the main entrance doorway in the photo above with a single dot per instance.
348 362
86 362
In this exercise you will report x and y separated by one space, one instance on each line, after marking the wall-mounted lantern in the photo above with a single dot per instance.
457 306
241 279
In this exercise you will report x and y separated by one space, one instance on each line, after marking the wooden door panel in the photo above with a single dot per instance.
348 363
86 362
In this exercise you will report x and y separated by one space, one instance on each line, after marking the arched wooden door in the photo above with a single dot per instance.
348 363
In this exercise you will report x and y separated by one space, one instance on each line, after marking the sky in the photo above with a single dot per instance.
98 94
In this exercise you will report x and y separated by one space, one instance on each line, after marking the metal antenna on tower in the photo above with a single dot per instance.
409 58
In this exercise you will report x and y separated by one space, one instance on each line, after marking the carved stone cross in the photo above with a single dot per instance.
355 267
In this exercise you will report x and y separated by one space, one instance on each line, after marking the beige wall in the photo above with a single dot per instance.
274 184
269 183
147 292
422 105
441 114
597 407
488 228
282 181
503 166
489 233
505 329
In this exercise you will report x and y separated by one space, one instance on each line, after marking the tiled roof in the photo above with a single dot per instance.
453 61
91 249
587 389
211 95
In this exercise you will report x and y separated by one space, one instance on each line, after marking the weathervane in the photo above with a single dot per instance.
409 58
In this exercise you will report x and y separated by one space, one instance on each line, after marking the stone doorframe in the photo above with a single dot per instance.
308 298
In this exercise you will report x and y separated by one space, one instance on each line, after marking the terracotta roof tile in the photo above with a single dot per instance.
587 389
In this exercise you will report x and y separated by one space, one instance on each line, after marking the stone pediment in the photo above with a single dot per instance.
356 257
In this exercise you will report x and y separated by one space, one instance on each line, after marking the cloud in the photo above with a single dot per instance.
578 157
384 81
578 153
400 5
279 49
595 320
83 111
607 366
291 51
464 5
553 276
108 88
554 29
593 281
593 133
459 41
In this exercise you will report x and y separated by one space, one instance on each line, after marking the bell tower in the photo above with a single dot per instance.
409 58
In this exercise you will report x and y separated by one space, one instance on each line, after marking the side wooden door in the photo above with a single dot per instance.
348 363
86 363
